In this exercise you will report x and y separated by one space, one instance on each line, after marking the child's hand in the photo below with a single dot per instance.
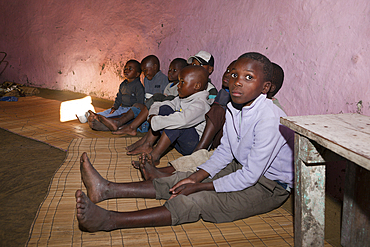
192 184
184 189
112 110
150 119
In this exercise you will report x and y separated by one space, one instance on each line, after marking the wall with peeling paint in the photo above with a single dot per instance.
82 46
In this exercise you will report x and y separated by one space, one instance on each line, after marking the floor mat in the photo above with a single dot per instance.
56 224
26 168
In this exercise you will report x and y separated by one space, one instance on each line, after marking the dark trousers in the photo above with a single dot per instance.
184 140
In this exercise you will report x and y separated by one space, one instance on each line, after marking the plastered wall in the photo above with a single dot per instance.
82 46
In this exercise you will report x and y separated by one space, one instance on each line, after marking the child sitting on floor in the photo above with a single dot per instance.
215 119
181 121
130 91
203 59
206 60
154 81
170 92
277 83
119 125
250 173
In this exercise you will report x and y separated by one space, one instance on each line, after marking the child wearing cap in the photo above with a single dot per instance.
206 60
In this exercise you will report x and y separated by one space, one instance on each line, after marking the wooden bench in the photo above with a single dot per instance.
323 138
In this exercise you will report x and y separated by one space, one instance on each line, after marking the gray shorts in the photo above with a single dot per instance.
212 206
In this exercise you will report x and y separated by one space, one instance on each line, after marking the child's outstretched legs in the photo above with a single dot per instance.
131 129
92 218
114 123
99 189
94 122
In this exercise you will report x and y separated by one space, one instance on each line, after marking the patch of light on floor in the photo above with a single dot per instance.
69 109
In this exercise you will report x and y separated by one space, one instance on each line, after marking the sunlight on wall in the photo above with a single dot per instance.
69 109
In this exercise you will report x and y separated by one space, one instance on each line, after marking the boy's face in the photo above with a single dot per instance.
187 84
209 68
149 69
227 75
247 81
173 71
130 72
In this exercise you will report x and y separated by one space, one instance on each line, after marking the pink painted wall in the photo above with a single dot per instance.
82 46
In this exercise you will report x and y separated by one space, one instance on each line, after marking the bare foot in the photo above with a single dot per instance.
97 187
136 164
140 142
92 116
126 129
97 125
148 169
110 123
144 148
91 218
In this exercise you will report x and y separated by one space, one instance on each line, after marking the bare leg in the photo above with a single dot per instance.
131 128
94 122
93 218
149 171
99 189
114 123
140 142
207 136
146 145
215 119
162 145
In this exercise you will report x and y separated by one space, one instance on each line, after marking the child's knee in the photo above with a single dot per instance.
165 110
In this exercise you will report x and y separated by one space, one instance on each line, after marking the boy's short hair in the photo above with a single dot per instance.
204 58
267 66
152 58
136 64
182 62
277 77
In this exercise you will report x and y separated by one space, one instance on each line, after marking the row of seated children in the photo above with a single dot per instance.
249 173
137 115
133 119
132 93
210 139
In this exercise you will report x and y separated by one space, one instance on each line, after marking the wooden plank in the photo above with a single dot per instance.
345 134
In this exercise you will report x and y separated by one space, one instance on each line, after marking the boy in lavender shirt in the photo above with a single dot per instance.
250 173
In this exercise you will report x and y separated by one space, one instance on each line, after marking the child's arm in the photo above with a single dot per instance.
265 146
118 100
140 94
186 118
192 184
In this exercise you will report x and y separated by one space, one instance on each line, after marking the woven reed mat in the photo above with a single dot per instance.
38 118
55 223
